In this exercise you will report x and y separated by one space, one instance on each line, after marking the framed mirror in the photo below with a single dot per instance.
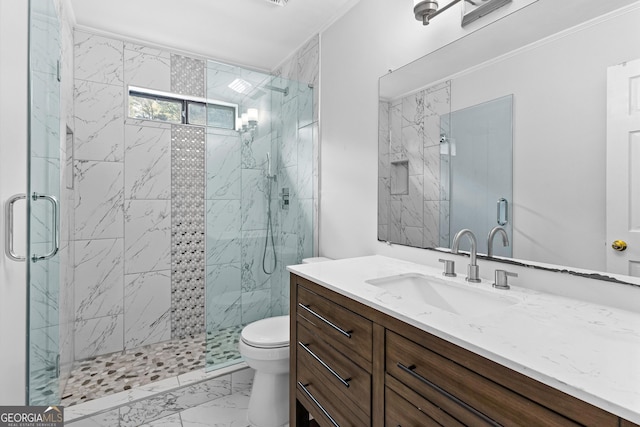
550 59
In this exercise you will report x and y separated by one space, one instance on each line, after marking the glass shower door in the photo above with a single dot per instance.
43 205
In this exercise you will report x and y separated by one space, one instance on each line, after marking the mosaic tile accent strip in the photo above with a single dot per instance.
187 76
187 231
112 373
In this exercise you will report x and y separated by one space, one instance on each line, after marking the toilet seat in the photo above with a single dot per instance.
267 333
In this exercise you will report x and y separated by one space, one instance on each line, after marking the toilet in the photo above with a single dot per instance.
264 345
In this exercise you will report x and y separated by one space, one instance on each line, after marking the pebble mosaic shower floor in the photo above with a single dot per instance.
104 375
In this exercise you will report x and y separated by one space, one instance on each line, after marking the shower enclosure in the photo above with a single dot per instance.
259 203
143 233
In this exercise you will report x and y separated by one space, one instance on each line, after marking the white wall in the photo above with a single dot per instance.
13 177
372 38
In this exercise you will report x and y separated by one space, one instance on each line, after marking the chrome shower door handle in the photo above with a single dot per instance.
56 232
503 211
8 228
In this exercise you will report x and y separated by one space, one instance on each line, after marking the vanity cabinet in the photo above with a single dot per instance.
352 365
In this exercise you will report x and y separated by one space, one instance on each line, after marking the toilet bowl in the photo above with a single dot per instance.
264 345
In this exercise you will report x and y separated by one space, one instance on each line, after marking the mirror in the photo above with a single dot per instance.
555 74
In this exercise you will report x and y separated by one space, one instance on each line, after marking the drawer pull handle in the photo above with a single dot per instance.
324 411
337 328
410 370
315 356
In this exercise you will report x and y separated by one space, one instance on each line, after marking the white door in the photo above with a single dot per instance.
623 168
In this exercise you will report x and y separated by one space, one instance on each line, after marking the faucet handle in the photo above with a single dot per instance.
502 279
449 267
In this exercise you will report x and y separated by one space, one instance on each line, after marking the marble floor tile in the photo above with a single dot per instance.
229 411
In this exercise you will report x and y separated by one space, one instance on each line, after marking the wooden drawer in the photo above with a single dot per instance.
346 380
345 330
408 409
321 400
459 391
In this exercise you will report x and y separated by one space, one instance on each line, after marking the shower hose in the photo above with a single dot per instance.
269 232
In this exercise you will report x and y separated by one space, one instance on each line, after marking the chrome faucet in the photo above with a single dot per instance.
473 271
495 230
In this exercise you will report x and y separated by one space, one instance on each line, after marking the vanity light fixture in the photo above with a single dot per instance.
424 10
247 121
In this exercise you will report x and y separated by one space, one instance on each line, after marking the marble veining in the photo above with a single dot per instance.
99 268
584 349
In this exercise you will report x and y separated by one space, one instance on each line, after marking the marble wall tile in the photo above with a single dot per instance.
384 200
305 162
223 155
445 231
223 219
218 81
45 116
256 305
432 131
45 37
147 235
99 268
99 205
432 188
383 232
288 150
413 236
254 199
413 110
254 151
98 59
383 127
306 220
432 231
395 127
147 163
223 296
97 336
395 221
253 275
413 203
437 100
287 218
99 121
45 292
144 69
413 149
147 311
146 50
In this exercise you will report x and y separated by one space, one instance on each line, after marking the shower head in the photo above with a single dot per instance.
285 91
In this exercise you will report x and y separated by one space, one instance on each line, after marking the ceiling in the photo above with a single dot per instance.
255 33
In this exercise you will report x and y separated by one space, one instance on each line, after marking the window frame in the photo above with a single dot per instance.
184 100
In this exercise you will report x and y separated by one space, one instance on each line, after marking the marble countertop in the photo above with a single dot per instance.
586 350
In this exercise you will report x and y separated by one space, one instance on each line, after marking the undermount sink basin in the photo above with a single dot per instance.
449 296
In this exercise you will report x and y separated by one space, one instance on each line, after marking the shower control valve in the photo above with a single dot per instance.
284 198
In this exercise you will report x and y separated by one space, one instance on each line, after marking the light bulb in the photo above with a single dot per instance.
252 114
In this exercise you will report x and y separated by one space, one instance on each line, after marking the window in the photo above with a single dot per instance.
172 108
149 107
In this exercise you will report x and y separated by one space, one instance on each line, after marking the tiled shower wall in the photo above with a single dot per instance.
134 286
123 204
298 154
410 131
